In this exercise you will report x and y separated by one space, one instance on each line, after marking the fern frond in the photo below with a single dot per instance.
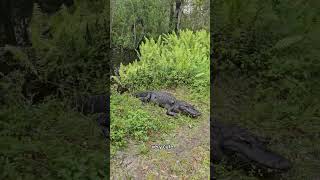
287 42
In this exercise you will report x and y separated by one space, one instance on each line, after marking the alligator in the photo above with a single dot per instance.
238 147
168 101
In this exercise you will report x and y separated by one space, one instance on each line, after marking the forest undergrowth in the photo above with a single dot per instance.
267 70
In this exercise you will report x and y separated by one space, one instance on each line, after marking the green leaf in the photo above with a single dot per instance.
287 42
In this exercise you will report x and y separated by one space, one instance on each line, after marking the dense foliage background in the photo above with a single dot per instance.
68 57
267 59
132 20
41 136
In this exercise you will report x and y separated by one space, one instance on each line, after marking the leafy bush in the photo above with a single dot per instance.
171 61
127 122
278 68
70 48
49 141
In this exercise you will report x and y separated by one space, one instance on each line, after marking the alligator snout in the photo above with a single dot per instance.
193 113
196 114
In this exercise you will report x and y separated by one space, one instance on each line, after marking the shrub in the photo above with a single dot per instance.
70 48
127 122
172 60
49 141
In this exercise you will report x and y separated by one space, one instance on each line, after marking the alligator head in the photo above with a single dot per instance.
188 109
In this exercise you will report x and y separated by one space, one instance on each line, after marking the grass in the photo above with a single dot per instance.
130 119
49 141
161 129
292 123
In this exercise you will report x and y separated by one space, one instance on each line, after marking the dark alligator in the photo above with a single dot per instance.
168 101
241 148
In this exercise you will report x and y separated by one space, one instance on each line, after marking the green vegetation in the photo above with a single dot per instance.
41 137
72 47
135 127
172 40
167 64
127 30
268 76
49 141
132 20
130 120
170 62
127 121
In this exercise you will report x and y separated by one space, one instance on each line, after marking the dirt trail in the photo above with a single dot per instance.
187 159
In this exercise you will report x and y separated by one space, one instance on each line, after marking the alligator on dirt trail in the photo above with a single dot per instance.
241 148
168 101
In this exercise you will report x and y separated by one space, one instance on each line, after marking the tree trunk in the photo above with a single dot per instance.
175 13
172 8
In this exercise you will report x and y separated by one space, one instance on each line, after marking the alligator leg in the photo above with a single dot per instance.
170 112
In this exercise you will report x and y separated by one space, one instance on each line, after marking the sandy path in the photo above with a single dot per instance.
188 159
